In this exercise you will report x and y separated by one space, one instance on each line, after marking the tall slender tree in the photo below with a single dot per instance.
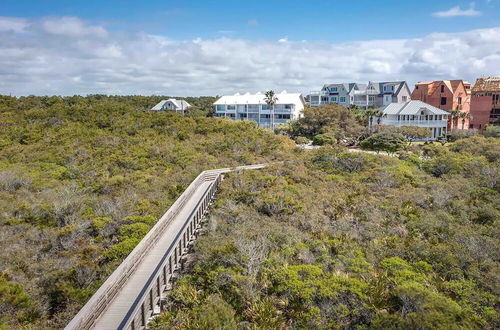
271 100
464 115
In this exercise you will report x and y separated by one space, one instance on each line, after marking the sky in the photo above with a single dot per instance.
191 48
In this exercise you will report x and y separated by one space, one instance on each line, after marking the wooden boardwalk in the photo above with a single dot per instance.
134 292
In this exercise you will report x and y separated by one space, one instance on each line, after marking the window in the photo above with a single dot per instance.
392 88
333 89
385 88
231 107
342 99
282 116
243 115
219 107
404 98
265 116
442 88
288 106
459 100
334 99
443 100
265 107
416 87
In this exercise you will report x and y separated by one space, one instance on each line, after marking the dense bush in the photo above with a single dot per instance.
384 141
326 124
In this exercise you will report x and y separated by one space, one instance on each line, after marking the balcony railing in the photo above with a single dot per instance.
430 123
366 92
364 103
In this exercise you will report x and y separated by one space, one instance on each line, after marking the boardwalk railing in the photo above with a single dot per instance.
148 302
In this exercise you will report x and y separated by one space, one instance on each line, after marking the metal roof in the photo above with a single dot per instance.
411 108
179 104
259 98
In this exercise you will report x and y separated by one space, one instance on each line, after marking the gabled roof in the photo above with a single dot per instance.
159 105
432 86
259 98
347 86
179 104
411 108
484 85
379 86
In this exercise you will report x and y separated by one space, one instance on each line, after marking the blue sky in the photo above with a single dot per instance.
182 48
258 19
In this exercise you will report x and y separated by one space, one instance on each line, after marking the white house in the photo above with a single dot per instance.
254 107
414 113
179 106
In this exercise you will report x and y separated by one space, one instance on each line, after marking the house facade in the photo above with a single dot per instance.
373 94
485 103
342 94
450 95
179 106
414 113
254 107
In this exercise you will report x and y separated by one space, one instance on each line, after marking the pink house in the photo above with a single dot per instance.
448 95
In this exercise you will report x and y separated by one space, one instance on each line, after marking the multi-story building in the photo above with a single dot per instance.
365 96
342 94
485 103
179 106
254 107
450 95
414 113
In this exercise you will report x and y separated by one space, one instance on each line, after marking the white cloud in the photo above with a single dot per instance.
93 60
458 11
72 27
13 24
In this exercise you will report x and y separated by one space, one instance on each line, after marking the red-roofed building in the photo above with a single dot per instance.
450 95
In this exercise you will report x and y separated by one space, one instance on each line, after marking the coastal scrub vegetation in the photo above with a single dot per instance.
83 179
321 239
339 240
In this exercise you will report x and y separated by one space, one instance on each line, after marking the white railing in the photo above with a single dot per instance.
433 123
144 304
366 92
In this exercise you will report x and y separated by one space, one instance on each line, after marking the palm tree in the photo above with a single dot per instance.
271 100
464 116
454 115
372 113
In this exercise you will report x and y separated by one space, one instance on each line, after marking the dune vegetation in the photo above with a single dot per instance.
325 239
